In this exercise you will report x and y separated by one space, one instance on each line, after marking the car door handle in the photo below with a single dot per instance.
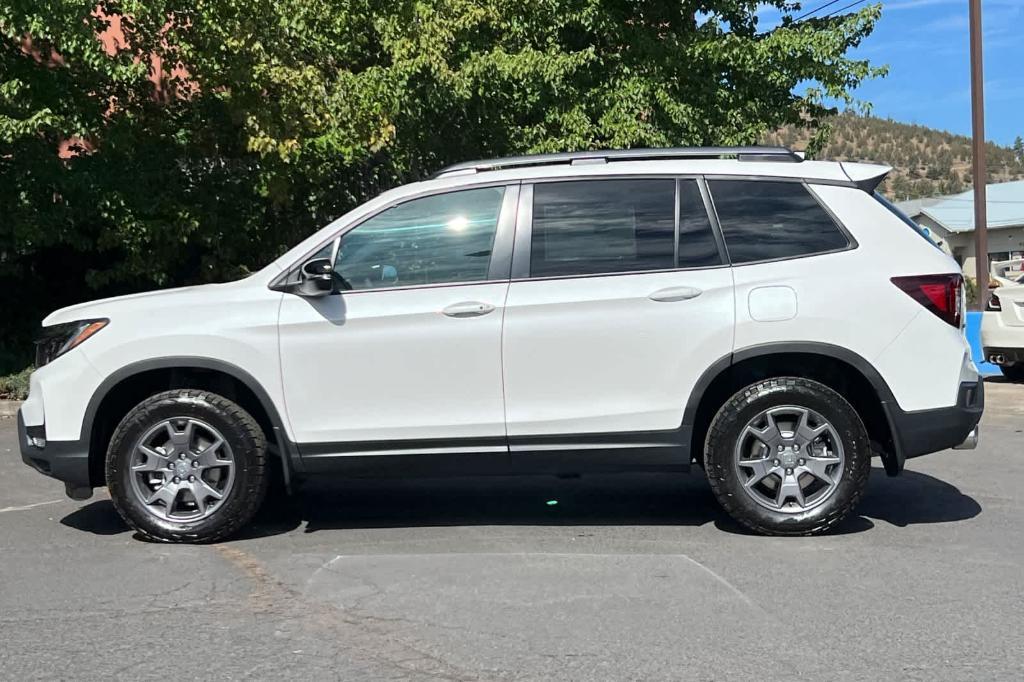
675 294
468 309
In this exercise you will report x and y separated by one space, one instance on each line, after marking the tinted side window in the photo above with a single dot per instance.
437 239
764 220
597 226
697 247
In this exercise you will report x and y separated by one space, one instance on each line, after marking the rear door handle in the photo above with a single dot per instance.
672 294
468 309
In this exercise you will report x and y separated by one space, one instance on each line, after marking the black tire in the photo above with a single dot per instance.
239 430
1014 372
745 405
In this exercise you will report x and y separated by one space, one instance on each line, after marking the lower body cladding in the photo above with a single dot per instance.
525 455
925 431
914 434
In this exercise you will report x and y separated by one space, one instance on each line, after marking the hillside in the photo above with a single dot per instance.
925 161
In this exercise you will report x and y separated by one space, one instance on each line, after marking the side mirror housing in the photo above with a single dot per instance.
317 278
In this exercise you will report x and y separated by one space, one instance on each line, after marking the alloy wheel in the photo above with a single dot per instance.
182 469
789 459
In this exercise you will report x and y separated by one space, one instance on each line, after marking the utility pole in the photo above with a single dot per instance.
979 166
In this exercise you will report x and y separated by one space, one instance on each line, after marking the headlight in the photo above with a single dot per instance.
60 338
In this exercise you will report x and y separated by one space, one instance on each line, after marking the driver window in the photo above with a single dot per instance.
437 239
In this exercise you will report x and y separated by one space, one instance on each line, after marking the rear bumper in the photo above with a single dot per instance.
999 338
1004 356
67 461
925 431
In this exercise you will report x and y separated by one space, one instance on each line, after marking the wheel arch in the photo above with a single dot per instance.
129 385
839 368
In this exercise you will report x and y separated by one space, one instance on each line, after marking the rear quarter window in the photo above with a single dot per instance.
769 220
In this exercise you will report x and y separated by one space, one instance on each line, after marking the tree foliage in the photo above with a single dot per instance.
289 112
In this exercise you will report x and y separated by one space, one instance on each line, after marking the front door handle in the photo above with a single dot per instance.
468 309
672 294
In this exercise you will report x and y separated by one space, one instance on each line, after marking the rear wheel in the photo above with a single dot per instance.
787 456
187 466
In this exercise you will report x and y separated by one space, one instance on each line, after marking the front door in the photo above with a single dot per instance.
407 357
624 303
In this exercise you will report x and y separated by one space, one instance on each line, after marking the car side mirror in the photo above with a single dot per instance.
317 278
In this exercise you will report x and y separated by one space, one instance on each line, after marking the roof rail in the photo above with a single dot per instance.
610 155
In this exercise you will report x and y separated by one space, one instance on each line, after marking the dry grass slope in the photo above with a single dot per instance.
926 162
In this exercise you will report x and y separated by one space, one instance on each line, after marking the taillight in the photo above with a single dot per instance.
941 294
993 303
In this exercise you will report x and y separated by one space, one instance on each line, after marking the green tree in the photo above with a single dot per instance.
292 112
1018 149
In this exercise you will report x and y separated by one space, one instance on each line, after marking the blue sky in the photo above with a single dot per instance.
925 43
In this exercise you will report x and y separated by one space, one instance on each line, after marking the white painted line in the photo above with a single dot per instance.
28 506
739 594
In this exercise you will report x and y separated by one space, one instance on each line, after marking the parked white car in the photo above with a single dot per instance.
1002 323
768 318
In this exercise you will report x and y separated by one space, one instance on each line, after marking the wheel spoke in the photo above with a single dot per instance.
818 467
201 488
155 461
805 431
762 468
182 440
208 457
770 434
167 493
789 489
201 492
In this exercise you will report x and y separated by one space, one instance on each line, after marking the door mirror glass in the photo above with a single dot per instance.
318 269
317 277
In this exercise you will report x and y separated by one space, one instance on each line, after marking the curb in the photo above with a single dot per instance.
9 408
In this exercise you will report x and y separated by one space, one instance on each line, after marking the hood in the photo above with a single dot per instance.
107 307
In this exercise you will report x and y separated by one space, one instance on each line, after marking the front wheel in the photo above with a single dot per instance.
187 466
787 456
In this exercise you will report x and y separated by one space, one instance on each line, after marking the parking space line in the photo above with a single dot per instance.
28 506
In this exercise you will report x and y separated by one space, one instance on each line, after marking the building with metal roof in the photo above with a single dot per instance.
949 221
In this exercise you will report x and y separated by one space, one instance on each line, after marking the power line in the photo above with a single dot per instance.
816 10
844 8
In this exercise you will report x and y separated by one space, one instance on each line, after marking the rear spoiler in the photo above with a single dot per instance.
867 176
1000 271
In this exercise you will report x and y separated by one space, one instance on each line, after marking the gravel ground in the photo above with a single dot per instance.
629 577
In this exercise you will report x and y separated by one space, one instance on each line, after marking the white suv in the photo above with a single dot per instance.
768 318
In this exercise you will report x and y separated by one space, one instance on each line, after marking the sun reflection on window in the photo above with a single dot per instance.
458 224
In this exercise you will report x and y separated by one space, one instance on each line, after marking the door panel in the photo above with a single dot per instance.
597 355
595 345
389 365
410 348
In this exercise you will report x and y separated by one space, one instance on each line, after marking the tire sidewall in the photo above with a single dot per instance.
247 451
754 399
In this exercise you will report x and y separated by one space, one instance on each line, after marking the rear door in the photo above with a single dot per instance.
619 301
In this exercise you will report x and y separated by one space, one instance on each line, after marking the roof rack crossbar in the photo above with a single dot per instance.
609 155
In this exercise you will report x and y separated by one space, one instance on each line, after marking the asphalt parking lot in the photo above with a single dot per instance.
633 577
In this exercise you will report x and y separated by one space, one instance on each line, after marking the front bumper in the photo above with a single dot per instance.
67 461
925 431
